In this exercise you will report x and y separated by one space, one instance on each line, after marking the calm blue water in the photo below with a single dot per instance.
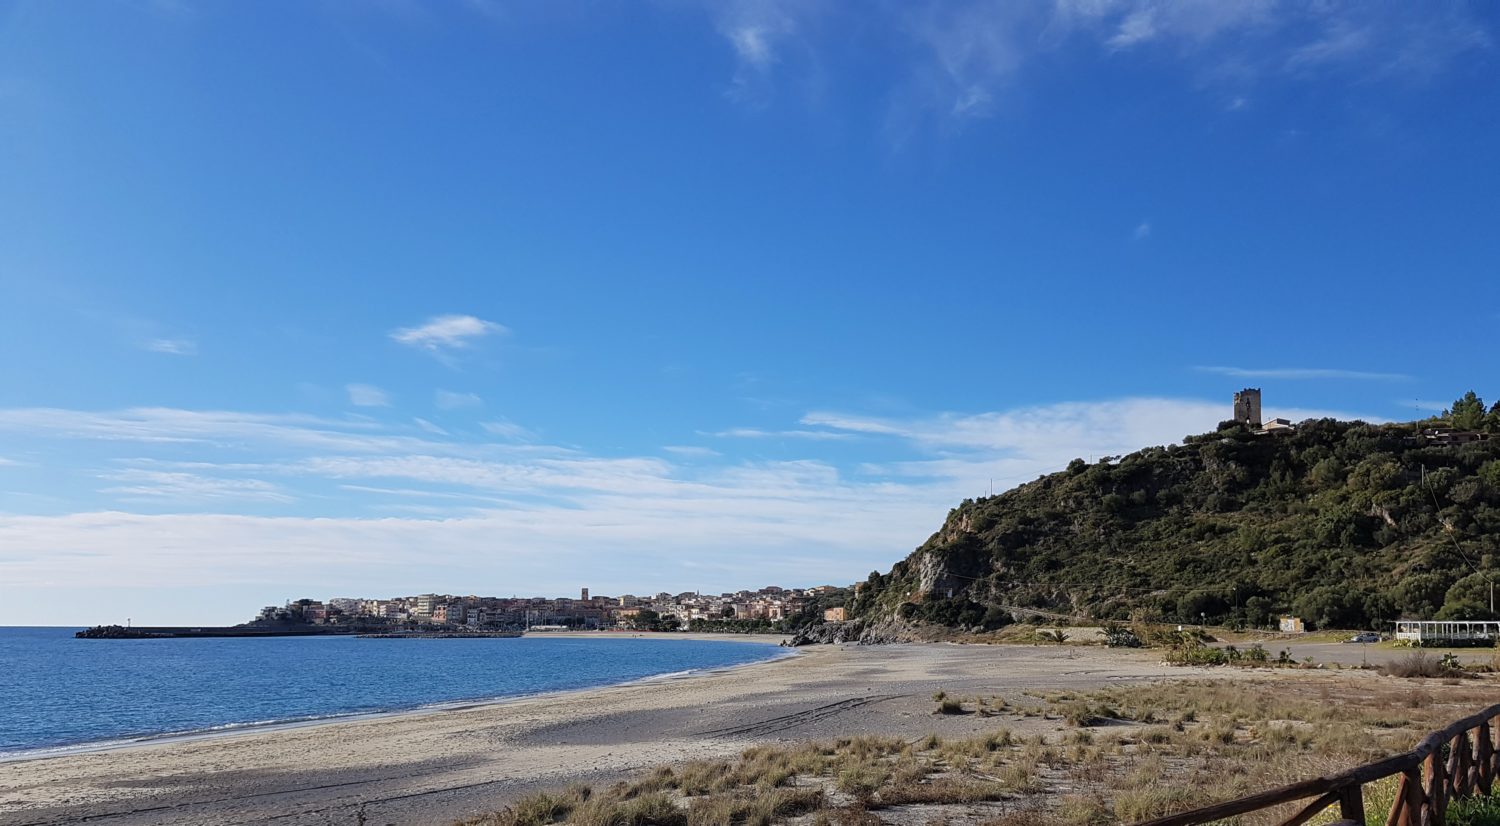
59 691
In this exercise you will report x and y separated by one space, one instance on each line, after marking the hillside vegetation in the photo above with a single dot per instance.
1345 524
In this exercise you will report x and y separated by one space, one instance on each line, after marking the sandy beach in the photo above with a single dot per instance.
434 767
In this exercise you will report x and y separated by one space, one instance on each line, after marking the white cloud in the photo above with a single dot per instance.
968 52
367 395
1128 23
1301 373
756 433
756 30
691 451
972 48
206 428
429 426
464 515
172 346
449 400
1142 231
1343 42
507 429
752 44
1047 432
1055 433
447 332
142 484
1137 27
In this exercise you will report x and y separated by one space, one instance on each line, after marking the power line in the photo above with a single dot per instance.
1437 507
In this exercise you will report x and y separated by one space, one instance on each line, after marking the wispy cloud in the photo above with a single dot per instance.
968 53
1138 27
1301 373
142 484
971 51
1044 433
172 346
1342 42
756 30
429 426
447 332
757 433
692 451
507 429
449 400
367 395
204 428
1142 231
1009 447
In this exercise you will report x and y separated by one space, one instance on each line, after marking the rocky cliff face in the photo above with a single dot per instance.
855 631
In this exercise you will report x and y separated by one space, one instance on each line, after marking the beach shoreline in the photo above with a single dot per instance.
440 766
243 729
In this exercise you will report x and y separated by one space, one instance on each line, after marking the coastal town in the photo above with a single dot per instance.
765 608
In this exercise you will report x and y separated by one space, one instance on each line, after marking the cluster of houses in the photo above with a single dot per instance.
770 604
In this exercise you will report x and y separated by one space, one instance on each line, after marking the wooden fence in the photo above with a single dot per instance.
1456 762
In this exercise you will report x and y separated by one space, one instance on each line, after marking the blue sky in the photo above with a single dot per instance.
369 298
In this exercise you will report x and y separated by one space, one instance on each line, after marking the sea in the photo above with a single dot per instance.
58 693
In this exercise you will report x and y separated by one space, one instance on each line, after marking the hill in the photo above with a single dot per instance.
1345 524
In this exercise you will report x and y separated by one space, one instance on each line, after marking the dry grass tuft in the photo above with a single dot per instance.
1170 746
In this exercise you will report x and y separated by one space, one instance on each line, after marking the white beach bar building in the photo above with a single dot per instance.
1441 632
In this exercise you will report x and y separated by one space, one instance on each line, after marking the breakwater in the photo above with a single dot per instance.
120 632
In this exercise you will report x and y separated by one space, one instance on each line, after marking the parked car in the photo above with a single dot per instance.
1368 636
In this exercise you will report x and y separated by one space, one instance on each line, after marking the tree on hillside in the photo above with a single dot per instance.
1468 599
1492 421
1467 413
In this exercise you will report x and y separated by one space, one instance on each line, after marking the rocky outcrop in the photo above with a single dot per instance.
110 632
855 631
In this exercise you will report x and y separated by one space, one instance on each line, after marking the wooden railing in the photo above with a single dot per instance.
1456 762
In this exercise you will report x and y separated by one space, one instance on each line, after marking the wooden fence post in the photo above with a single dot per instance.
1435 803
1352 803
1412 782
1486 757
1462 755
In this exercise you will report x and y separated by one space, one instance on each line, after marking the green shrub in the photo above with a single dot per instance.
1474 811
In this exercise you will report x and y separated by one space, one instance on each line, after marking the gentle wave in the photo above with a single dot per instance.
137 685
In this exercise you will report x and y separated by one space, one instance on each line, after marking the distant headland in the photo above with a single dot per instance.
771 609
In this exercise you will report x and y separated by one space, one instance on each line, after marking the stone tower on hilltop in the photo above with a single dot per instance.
1247 407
